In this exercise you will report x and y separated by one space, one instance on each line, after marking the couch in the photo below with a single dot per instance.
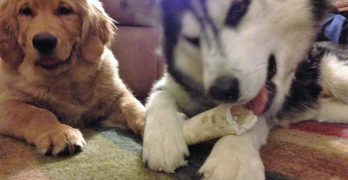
135 44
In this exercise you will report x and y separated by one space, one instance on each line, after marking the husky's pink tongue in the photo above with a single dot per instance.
259 103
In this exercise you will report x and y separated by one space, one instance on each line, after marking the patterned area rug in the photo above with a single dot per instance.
308 150
305 151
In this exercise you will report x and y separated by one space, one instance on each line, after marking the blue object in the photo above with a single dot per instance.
334 28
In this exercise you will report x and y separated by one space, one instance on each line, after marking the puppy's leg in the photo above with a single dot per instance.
333 111
39 127
237 157
164 146
127 110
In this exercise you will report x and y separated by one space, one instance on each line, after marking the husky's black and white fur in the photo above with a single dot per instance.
228 51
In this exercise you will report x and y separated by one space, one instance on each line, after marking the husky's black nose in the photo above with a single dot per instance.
225 89
45 43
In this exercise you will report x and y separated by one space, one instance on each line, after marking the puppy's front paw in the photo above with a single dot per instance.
63 140
164 147
238 163
138 123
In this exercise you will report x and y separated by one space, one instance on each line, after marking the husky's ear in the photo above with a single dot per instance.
10 51
98 30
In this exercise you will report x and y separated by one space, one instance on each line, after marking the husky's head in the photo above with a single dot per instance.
238 51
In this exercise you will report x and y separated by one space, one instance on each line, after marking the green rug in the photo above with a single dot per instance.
109 154
116 154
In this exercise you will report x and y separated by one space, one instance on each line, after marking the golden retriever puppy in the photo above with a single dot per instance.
57 73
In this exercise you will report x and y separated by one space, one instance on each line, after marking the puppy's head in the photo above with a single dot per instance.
51 36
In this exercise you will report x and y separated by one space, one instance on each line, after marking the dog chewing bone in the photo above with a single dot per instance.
218 122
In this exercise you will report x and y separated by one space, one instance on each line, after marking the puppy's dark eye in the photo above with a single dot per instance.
193 40
63 11
26 11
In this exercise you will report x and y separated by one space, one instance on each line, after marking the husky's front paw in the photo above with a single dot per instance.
237 163
164 147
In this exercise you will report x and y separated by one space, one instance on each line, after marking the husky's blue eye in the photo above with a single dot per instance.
236 12
193 40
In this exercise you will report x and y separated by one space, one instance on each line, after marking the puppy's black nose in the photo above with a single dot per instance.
225 89
45 43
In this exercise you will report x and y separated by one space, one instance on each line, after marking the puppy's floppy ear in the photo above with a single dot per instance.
98 30
10 51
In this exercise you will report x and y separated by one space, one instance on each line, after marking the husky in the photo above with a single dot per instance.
253 53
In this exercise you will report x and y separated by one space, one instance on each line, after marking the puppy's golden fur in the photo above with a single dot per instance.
42 95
